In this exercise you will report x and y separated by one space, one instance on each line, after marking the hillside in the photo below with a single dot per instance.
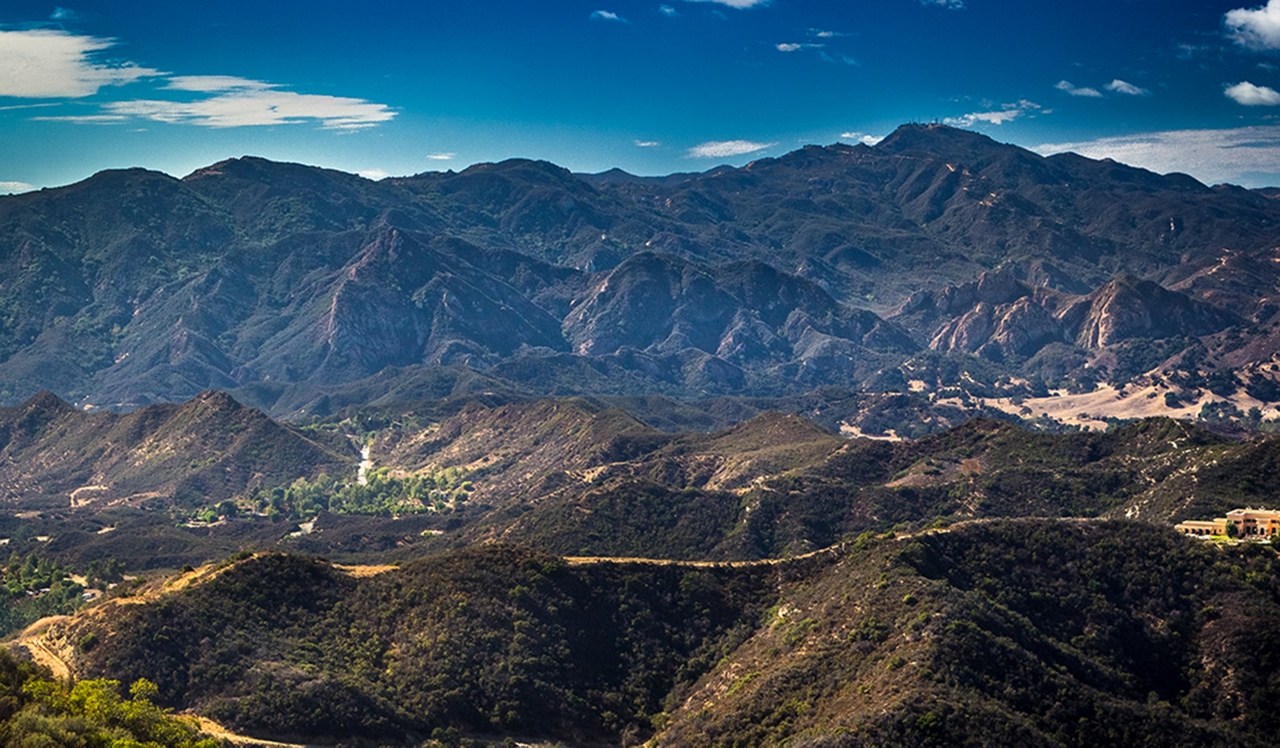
938 262
1028 632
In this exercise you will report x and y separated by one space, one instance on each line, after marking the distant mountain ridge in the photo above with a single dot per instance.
830 265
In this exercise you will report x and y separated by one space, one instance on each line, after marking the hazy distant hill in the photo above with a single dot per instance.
838 265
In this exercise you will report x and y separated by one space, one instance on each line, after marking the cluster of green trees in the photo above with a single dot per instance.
383 495
39 587
36 710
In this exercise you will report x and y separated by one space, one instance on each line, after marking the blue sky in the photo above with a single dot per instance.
392 87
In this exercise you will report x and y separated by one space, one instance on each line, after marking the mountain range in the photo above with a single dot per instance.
830 266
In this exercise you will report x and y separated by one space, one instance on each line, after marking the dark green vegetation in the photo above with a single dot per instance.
36 710
302 289
1011 633
487 641
1034 632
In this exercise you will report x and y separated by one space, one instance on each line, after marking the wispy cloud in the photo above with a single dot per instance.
244 103
740 4
1128 89
1250 95
858 137
85 119
1078 91
825 34
41 105
1245 155
667 11
839 59
949 4
441 156
214 83
1007 113
238 102
52 64
647 144
12 188
1255 28
726 148
63 14
607 15
796 47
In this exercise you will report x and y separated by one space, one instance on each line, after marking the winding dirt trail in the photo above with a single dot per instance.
33 640
213 729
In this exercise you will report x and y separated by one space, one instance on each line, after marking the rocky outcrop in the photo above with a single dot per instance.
1131 308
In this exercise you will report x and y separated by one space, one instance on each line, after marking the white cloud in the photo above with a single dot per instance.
647 144
1245 155
1007 113
1250 95
1255 28
374 174
1076 91
667 11
1126 88
85 119
825 34
860 138
213 83
48 64
739 4
251 106
441 156
13 188
949 4
64 14
607 15
726 148
794 47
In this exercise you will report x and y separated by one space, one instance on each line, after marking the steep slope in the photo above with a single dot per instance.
1031 633
211 448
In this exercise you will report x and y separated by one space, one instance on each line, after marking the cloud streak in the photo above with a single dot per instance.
1244 155
1007 113
1255 28
13 188
727 148
860 138
1073 90
795 46
51 64
239 102
1247 94
607 15
1128 89
739 4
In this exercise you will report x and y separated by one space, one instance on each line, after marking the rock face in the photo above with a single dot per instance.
1131 308
1124 309
133 287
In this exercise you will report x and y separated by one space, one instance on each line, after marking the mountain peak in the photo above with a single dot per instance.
46 401
942 140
